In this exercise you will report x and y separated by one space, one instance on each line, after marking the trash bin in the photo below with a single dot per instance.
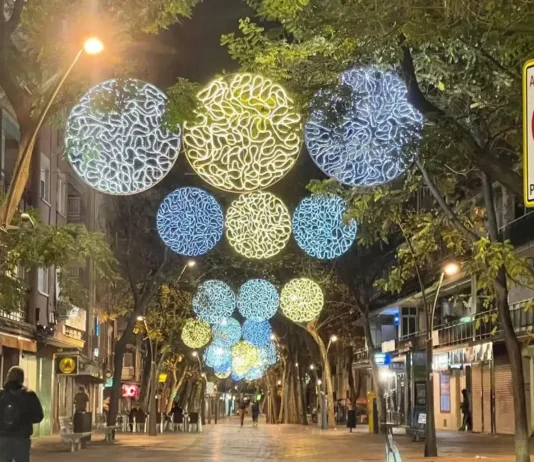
82 423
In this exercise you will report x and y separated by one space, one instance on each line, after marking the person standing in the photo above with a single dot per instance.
81 399
255 413
20 408
466 411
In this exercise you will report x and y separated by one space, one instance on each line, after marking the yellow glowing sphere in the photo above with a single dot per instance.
247 134
223 375
301 300
244 356
258 225
196 333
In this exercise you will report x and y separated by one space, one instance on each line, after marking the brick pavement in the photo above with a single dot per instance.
227 442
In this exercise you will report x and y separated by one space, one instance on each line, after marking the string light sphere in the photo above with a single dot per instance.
227 332
115 138
257 332
237 377
190 221
254 373
196 333
358 133
244 356
258 300
247 134
217 357
224 374
268 355
214 301
319 229
258 225
301 300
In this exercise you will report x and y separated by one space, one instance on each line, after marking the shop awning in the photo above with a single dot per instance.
18 343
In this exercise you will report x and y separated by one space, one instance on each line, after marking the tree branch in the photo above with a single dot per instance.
14 20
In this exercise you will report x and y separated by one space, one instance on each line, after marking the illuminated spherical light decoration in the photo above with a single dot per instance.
268 355
223 375
214 301
257 332
217 356
258 300
227 332
237 377
196 333
319 229
301 300
365 146
258 225
115 138
247 135
254 373
190 221
244 356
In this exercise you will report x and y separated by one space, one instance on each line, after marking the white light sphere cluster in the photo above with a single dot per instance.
190 221
319 229
217 356
214 301
115 138
363 141
227 332
244 357
257 332
247 133
258 300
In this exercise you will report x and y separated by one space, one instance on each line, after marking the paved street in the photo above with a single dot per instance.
227 442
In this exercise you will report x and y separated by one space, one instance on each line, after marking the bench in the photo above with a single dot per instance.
76 440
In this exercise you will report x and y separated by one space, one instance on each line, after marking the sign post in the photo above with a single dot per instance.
528 133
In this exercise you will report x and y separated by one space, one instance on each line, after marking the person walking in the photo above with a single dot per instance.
131 417
242 407
466 411
20 408
177 416
255 413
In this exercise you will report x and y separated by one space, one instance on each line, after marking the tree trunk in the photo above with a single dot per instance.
152 423
327 375
146 383
302 392
283 393
177 383
120 350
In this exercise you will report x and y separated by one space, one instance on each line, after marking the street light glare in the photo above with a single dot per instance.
451 268
195 354
273 337
93 46
191 263
319 382
140 318
333 338
312 367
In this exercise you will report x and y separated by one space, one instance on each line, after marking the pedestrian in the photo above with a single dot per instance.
255 413
81 399
131 417
242 407
467 421
140 420
19 410
177 415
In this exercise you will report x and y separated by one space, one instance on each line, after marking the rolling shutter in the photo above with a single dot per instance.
504 404
486 397
476 397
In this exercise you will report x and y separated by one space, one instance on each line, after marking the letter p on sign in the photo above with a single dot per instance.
528 133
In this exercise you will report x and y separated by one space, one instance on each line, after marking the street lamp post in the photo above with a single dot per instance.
449 269
92 46
152 423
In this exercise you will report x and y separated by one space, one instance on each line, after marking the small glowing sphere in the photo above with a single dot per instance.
190 221
214 301
244 356
258 225
268 355
196 333
217 356
254 373
115 138
301 300
319 229
227 332
224 374
247 135
258 300
366 145
257 332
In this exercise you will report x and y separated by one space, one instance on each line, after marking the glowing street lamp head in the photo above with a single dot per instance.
191 263
333 338
247 133
312 367
93 46
194 354
451 268
140 318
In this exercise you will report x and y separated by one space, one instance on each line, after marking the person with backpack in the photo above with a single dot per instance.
20 408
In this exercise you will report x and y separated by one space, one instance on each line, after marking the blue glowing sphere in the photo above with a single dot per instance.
190 221
257 332
227 332
255 373
237 377
358 133
268 355
217 356
319 229
258 300
214 301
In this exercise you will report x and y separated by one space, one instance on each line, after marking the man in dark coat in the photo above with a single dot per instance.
19 410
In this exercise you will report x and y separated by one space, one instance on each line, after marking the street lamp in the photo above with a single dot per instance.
191 263
450 268
93 46
312 367
194 354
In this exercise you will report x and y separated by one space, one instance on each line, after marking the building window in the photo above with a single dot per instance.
42 280
445 392
44 184
128 360
61 194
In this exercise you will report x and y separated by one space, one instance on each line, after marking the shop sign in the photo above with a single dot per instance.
397 367
130 391
210 388
382 359
528 133
67 365
471 355
162 378
440 362
109 382
389 346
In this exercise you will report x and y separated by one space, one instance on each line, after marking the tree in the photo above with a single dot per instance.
35 52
